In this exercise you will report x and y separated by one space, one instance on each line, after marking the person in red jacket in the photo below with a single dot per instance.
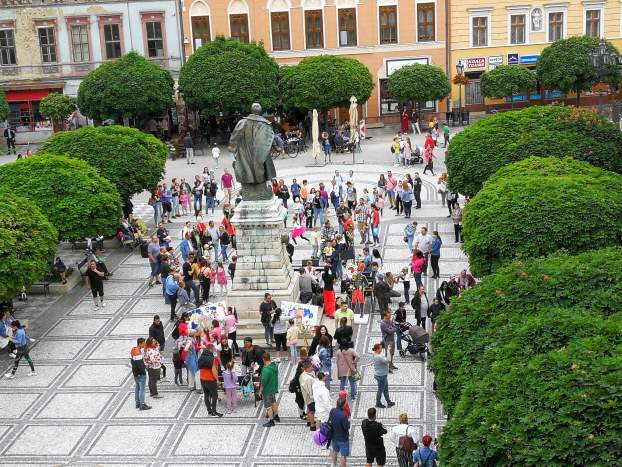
140 373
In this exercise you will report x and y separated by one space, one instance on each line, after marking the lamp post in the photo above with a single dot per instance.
605 62
459 72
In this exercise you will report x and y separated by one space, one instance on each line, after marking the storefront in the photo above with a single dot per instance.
24 108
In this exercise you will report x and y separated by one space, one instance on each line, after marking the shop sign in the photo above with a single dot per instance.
513 59
476 62
495 60
528 59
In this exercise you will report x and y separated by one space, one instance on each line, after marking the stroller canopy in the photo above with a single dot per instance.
418 334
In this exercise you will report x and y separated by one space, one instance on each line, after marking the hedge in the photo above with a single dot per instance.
132 160
76 199
27 244
538 206
497 140
591 281
562 408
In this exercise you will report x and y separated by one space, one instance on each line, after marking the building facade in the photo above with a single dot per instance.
382 34
48 46
485 34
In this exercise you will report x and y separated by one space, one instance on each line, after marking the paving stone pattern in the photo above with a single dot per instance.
79 410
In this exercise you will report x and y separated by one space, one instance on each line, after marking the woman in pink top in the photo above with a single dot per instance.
221 279
216 333
417 265
231 321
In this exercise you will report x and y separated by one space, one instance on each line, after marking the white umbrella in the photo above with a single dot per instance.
315 136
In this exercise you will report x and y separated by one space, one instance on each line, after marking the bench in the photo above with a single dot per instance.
45 285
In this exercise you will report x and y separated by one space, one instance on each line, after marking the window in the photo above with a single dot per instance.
480 31
79 43
200 31
112 41
155 43
556 26
517 29
239 27
425 22
388 24
280 30
592 23
47 42
347 27
7 47
314 29
387 104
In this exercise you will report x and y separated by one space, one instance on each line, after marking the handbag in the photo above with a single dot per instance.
406 443
354 373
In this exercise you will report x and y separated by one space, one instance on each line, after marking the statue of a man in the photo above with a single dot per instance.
251 141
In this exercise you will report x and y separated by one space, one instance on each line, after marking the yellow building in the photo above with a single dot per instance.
485 34
383 34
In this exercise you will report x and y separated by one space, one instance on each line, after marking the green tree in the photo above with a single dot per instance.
128 87
4 106
324 82
226 76
418 83
506 81
537 206
565 65
497 140
57 107
132 160
76 199
27 244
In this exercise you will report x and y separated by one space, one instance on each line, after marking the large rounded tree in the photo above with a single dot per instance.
57 107
76 199
324 82
418 83
497 140
132 160
130 87
507 81
540 205
565 66
226 76
27 244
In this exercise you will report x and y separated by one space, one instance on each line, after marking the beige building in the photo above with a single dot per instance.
382 34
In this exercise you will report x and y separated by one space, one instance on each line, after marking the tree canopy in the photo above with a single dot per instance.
77 200
565 65
132 160
497 140
418 83
128 87
27 244
507 80
537 206
325 81
57 107
226 76
4 106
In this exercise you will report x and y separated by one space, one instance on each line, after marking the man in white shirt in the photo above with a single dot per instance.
339 184
350 177
423 243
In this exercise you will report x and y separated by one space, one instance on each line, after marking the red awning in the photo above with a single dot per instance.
26 94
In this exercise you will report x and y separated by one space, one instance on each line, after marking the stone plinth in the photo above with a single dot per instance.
263 264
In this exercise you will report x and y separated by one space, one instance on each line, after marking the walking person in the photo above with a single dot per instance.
423 243
231 322
340 442
442 190
387 329
269 387
306 388
435 254
407 200
96 283
381 372
140 373
208 373
414 123
215 154
456 217
346 367
429 161
153 253
416 266
425 456
374 444
445 134
226 184
10 134
189 148
292 340
409 234
20 341
279 325
266 308
403 437
153 363
420 305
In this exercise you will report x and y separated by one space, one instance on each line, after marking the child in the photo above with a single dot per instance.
299 211
178 364
346 408
308 213
232 265
221 279
229 382
183 200
292 340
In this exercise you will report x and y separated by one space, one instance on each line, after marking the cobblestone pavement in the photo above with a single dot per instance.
79 410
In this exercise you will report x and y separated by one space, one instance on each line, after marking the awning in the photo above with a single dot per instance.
21 95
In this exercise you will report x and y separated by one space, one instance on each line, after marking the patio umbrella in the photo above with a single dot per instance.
354 118
315 136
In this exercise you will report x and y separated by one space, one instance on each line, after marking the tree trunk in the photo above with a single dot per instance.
577 97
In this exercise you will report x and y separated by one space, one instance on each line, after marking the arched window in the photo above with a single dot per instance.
238 20
200 23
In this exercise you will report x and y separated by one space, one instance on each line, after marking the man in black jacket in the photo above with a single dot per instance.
252 354
374 444
140 373
156 330
417 183
9 134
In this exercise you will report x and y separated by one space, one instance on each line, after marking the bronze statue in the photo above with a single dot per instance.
251 141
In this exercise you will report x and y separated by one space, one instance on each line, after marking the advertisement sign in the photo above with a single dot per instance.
305 314
495 60
476 62
394 65
513 59
528 59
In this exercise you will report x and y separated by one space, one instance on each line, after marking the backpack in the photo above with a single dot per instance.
294 385
175 333
206 360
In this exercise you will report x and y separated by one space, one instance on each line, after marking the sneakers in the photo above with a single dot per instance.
157 396
390 404
32 373
268 424
381 406
145 407
9 375
12 355
102 304
277 418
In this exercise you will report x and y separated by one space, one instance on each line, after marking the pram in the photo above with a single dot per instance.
416 339
249 383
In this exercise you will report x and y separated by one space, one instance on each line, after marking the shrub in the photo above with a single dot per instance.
563 407
418 83
538 206
57 107
70 193
507 81
497 140
132 160
27 244
591 281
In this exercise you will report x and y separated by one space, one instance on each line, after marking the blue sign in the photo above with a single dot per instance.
528 59
512 59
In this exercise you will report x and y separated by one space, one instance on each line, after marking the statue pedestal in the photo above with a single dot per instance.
263 264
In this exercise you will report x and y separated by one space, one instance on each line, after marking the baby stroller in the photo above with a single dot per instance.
250 386
416 339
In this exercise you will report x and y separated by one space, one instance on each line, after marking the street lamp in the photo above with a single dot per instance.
605 61
459 72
